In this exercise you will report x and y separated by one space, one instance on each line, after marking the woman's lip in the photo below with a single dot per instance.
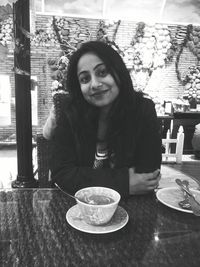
99 93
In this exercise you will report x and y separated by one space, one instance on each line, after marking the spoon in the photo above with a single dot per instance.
76 198
185 203
195 205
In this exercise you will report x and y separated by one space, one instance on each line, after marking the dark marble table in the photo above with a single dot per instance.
34 232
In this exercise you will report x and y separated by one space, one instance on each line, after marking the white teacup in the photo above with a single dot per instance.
101 206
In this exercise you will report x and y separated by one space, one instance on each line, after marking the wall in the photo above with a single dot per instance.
162 84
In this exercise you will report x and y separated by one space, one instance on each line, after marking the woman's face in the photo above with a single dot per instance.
97 84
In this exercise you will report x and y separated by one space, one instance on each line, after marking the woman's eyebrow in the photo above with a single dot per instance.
85 71
100 64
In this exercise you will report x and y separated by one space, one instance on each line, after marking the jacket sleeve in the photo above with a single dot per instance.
50 125
71 177
148 150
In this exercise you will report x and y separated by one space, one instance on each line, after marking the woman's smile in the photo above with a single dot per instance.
97 84
100 93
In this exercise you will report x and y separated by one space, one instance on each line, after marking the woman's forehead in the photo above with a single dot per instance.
88 61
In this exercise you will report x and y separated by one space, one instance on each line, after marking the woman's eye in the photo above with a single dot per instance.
102 72
84 79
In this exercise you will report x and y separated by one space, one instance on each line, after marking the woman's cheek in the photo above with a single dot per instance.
84 89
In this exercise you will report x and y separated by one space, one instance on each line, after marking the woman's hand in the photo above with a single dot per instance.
50 124
140 183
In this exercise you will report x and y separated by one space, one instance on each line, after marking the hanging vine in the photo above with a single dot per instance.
139 33
116 30
102 33
183 44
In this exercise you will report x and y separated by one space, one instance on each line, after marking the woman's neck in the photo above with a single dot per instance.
103 123
104 113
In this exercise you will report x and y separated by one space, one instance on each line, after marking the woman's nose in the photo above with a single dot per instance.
95 83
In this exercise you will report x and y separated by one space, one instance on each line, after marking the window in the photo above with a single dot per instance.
34 100
5 100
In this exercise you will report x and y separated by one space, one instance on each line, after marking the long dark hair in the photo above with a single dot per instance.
83 117
117 69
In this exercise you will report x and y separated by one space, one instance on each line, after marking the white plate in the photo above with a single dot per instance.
171 196
119 220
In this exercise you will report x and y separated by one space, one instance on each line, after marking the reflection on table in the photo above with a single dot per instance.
34 232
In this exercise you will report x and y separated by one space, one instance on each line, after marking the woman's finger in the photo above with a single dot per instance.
153 182
154 175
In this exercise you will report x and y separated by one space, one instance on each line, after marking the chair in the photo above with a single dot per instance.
43 157
168 156
43 145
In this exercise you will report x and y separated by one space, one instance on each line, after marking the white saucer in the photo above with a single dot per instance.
171 197
119 220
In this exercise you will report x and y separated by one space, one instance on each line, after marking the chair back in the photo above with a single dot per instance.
168 156
43 145
43 157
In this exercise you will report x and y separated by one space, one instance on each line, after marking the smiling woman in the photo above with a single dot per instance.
107 134
97 84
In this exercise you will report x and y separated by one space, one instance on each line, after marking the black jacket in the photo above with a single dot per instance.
137 144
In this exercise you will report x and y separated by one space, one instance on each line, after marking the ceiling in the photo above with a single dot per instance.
165 11
169 11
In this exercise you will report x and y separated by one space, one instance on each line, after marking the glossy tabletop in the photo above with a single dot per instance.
34 232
